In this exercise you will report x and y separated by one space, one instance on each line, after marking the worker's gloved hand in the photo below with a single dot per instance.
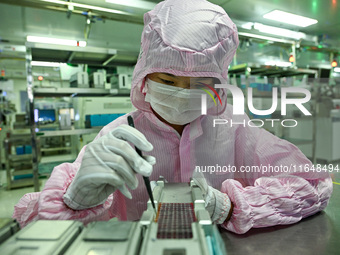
109 163
216 203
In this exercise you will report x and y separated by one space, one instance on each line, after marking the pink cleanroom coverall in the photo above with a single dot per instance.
195 38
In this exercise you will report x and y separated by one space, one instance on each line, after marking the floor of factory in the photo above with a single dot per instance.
9 198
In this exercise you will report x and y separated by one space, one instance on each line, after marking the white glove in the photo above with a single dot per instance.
216 203
109 163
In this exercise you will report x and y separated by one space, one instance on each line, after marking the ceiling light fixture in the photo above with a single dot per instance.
49 40
267 38
279 31
248 25
86 6
133 3
47 64
290 18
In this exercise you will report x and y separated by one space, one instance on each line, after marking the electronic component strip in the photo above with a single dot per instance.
174 220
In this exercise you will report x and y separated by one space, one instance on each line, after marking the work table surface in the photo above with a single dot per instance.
318 234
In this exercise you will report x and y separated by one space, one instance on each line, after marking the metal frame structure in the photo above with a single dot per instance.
31 118
59 92
274 71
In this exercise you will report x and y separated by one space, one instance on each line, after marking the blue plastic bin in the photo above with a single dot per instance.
20 150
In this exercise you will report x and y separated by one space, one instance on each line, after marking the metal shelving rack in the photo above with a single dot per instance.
55 133
61 92
14 163
106 54
269 71
53 92
275 71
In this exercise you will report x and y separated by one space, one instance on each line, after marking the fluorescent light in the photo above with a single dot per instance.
86 6
290 18
82 43
267 38
39 39
248 25
278 63
40 74
337 69
278 31
43 63
274 30
133 3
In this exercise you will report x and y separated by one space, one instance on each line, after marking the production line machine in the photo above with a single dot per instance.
182 226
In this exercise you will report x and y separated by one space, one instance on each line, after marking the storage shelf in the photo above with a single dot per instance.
18 165
22 183
56 158
22 172
86 55
20 157
72 131
60 92
55 149
19 137
270 71
19 132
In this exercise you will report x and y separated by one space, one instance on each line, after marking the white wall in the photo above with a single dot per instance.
19 85
12 87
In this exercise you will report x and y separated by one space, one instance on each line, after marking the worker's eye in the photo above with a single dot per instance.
167 82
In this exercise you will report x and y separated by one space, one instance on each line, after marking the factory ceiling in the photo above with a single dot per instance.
119 26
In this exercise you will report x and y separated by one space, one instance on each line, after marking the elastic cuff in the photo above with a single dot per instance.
223 206
72 204
75 206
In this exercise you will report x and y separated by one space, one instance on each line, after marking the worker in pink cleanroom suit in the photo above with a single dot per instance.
185 45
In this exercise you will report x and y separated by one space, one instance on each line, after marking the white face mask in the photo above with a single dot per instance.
175 105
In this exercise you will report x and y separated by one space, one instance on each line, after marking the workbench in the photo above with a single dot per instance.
318 234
